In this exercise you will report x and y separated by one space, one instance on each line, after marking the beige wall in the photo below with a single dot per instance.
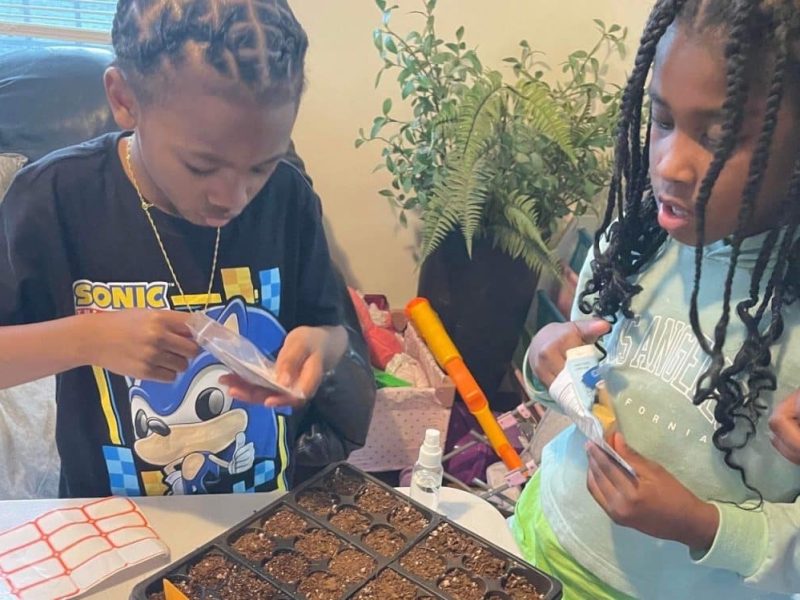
376 254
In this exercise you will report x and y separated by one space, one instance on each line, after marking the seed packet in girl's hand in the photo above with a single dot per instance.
237 353
574 393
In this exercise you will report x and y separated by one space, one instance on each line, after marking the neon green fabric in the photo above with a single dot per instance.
541 548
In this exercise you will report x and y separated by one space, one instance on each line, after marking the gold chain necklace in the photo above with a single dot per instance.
146 206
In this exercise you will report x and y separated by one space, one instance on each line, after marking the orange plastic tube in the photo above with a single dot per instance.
430 327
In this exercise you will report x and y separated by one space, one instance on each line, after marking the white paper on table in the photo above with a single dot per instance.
66 552
563 391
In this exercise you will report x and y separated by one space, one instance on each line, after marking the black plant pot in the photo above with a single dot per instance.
483 303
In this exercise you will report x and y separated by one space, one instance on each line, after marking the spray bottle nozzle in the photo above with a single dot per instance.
430 453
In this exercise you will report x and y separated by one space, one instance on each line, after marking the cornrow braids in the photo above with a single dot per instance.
753 29
257 42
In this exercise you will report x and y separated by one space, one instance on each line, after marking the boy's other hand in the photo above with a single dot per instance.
307 354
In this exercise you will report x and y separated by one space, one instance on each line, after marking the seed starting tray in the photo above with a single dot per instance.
345 534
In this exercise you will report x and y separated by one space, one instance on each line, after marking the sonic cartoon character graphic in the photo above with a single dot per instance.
201 438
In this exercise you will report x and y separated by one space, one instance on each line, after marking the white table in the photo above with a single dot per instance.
186 522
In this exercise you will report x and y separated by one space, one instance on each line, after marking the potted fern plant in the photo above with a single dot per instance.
491 165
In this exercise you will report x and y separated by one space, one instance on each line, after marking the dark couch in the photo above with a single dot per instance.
53 97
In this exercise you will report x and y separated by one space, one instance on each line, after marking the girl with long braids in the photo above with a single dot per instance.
691 291
106 249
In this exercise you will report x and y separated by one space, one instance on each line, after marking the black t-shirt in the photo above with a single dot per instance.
75 239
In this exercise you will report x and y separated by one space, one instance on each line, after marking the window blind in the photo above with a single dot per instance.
69 20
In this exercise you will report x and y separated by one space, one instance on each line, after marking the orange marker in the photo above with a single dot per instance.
430 327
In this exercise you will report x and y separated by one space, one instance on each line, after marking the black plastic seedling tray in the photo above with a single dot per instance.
345 534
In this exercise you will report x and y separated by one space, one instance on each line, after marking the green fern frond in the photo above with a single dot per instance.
512 243
477 114
515 231
533 98
458 201
469 196
459 198
475 198
439 219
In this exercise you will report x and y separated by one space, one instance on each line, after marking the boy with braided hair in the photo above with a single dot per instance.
109 246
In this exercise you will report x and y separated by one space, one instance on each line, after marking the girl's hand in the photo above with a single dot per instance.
142 344
307 354
548 350
785 425
655 503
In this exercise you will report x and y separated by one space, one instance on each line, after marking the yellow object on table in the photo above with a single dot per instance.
171 592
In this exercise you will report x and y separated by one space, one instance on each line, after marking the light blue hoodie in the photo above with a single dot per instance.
652 369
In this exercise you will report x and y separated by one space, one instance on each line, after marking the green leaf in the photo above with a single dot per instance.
377 39
460 33
473 60
387 193
377 125
387 106
440 58
381 4
390 45
406 73
408 89
359 142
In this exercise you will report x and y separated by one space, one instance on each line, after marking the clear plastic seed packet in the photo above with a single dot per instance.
237 353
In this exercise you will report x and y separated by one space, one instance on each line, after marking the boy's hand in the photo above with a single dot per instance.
785 425
139 343
654 503
307 354
548 350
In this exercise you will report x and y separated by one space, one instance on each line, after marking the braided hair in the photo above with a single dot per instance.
755 29
256 42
